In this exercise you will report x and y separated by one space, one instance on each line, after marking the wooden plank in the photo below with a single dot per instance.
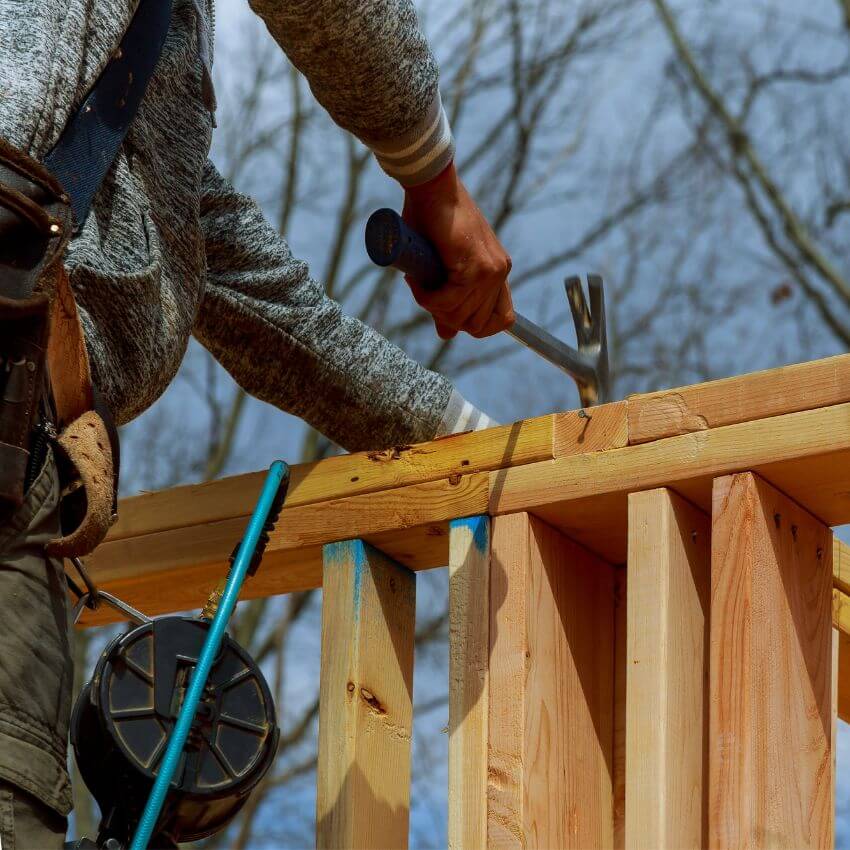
409 524
600 428
620 662
770 743
551 690
667 686
843 696
526 441
841 565
788 389
469 661
366 700
806 455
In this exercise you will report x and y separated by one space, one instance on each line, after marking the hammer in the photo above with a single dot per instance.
391 242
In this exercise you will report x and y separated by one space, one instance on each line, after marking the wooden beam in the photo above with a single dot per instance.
667 685
583 431
843 696
620 677
806 455
410 524
469 661
526 441
770 742
788 389
366 700
551 690
841 565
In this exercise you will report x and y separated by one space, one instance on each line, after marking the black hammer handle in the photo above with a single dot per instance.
390 242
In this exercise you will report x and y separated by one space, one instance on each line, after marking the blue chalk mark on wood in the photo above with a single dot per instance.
363 558
348 552
480 528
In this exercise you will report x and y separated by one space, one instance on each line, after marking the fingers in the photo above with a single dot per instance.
502 317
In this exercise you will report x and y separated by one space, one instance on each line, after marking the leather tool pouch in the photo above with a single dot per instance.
42 345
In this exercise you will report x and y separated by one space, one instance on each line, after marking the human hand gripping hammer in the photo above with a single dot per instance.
390 241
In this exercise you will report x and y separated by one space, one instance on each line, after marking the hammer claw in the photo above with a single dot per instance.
578 308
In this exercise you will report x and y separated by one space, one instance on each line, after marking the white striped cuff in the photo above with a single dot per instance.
461 416
423 152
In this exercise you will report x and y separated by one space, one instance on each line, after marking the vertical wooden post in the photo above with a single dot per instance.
551 690
619 748
366 700
771 740
469 658
667 684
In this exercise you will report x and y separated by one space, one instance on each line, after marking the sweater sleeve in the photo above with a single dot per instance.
284 341
371 68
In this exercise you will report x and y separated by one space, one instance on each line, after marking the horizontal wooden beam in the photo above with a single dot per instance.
526 441
806 455
760 395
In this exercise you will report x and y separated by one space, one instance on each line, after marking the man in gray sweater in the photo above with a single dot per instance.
170 249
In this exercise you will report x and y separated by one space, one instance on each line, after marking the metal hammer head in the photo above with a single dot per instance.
591 336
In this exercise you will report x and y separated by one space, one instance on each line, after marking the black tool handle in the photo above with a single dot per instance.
392 242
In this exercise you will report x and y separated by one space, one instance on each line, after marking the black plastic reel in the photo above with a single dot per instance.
123 716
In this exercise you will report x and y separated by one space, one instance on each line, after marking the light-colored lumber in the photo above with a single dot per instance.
841 565
551 690
843 696
667 685
526 441
620 675
760 395
469 661
599 428
770 730
175 570
841 628
806 455
366 700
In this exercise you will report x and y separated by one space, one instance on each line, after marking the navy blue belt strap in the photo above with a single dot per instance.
91 139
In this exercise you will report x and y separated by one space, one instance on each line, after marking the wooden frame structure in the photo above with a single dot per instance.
649 615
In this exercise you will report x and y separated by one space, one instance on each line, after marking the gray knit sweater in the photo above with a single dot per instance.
171 249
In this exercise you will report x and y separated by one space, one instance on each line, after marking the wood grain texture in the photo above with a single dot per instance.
526 441
469 662
806 455
551 690
788 389
770 745
667 686
409 524
841 565
620 677
600 428
366 700
843 696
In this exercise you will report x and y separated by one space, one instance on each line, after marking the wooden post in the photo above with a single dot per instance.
366 700
469 658
551 690
770 746
667 679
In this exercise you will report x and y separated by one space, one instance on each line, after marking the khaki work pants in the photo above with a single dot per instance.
36 675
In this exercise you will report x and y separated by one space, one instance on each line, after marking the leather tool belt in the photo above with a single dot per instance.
44 366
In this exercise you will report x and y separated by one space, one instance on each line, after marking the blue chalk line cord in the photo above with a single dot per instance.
278 475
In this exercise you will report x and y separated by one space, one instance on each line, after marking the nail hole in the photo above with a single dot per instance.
777 519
